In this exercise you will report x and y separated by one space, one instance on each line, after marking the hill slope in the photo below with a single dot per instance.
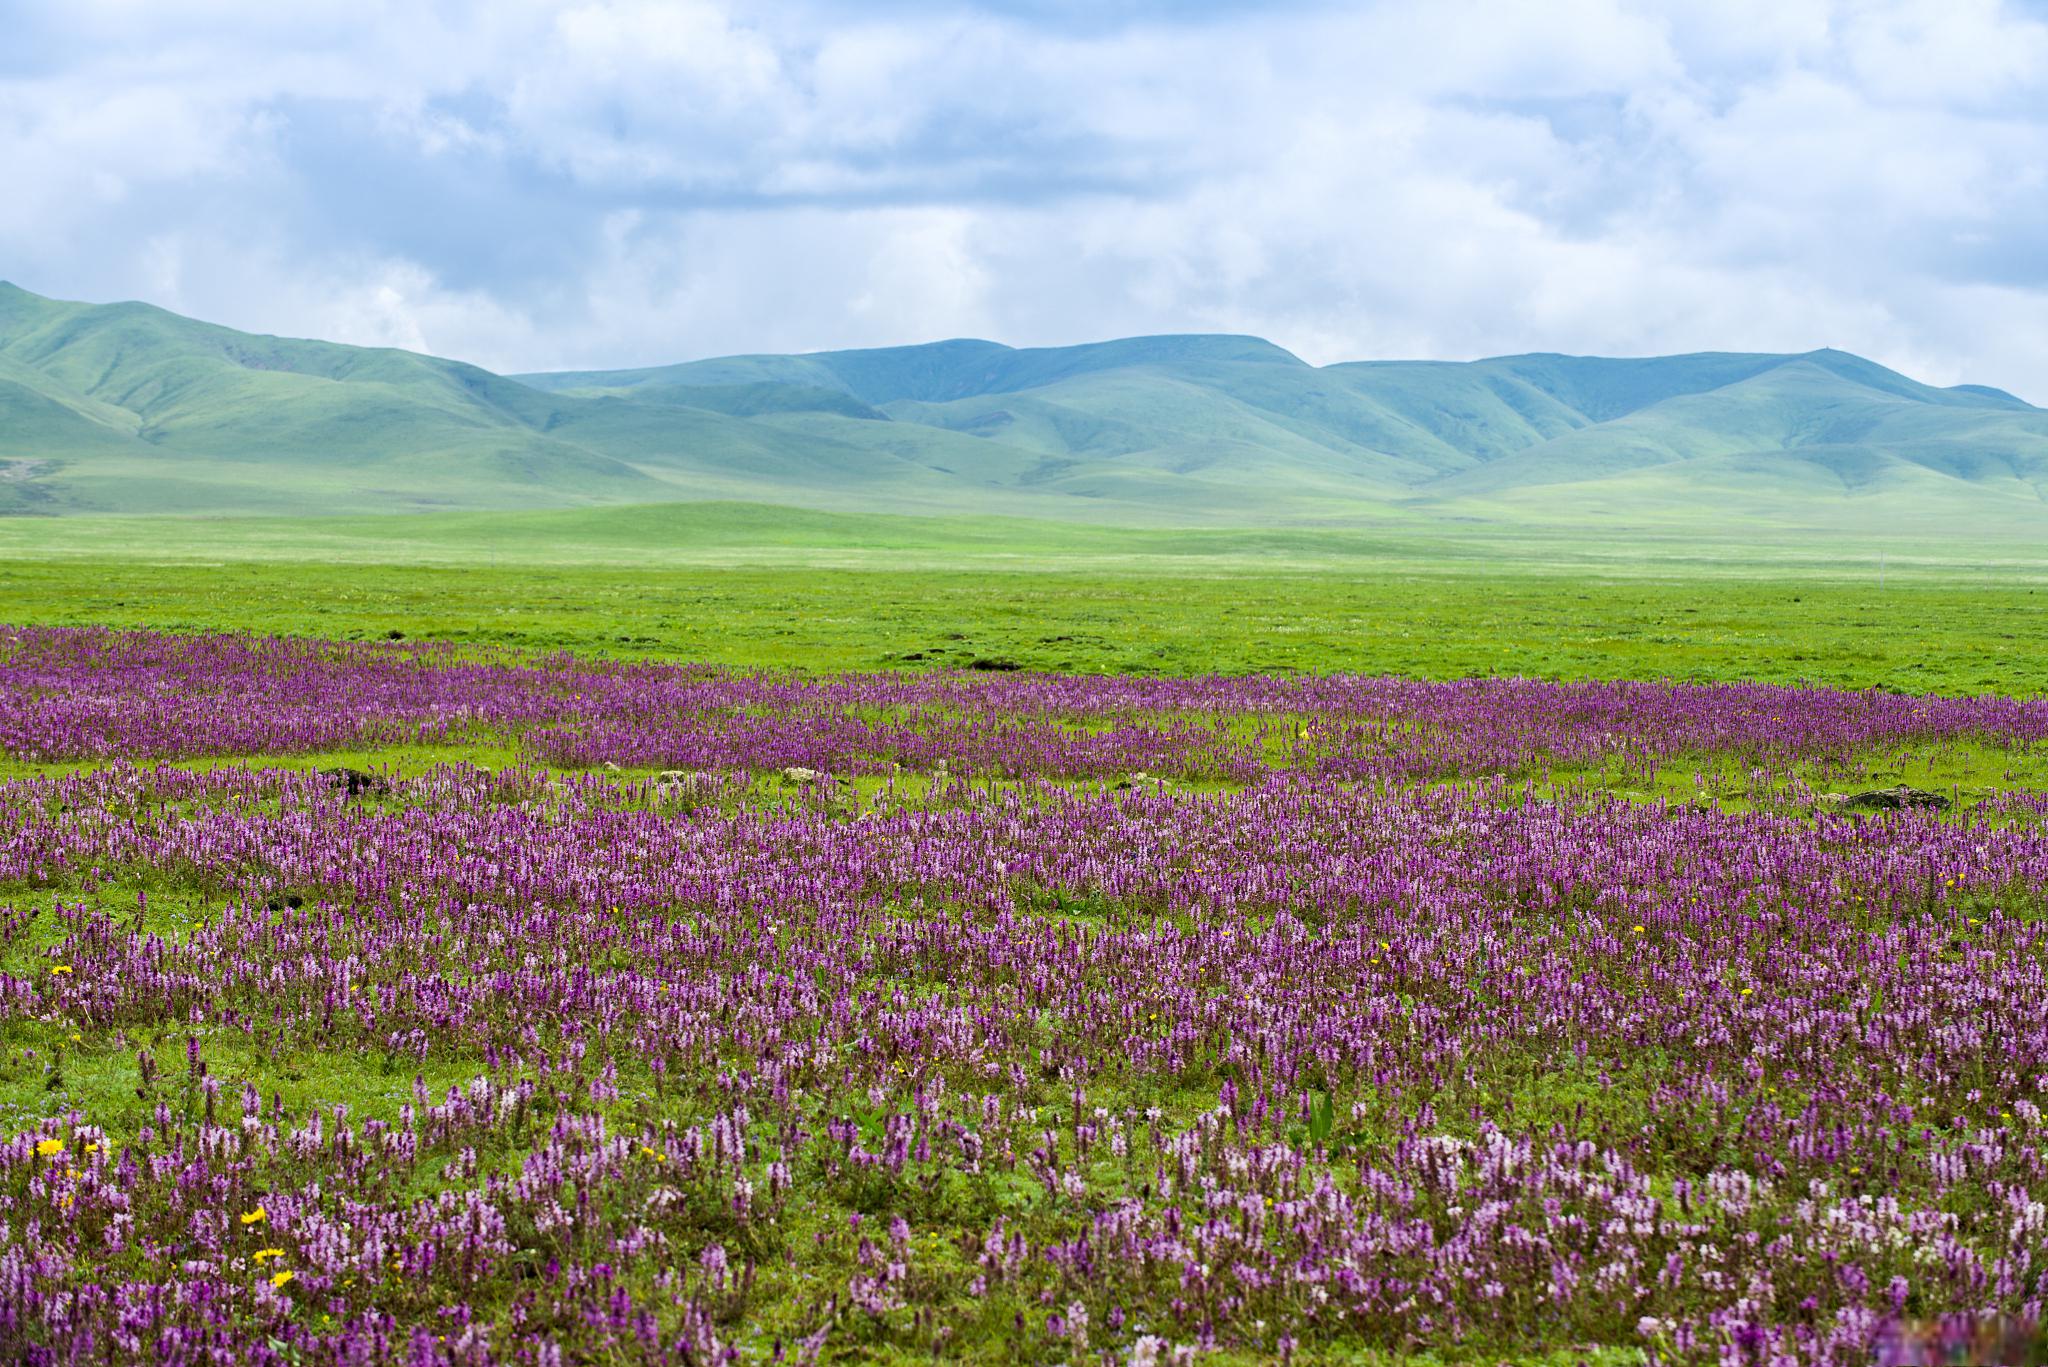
128 408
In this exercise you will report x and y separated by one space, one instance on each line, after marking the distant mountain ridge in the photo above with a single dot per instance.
129 408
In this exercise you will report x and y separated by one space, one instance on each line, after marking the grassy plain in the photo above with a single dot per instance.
753 587
746 585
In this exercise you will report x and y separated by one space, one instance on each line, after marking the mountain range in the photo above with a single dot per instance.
127 408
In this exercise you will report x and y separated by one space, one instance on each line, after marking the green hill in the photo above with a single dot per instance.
126 408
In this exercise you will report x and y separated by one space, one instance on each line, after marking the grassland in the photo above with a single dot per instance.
746 585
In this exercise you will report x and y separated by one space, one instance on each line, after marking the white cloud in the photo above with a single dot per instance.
533 185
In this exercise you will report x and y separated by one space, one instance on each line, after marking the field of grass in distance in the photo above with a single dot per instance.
1802 541
1934 634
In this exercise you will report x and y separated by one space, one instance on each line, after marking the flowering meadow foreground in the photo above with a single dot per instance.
369 1004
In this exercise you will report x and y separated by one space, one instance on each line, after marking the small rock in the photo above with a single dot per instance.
801 776
685 783
356 782
1896 799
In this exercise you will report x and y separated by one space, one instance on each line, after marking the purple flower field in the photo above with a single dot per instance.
997 1017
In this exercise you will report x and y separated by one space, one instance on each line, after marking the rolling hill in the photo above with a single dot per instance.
126 408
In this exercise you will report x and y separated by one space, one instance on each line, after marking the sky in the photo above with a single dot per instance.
535 186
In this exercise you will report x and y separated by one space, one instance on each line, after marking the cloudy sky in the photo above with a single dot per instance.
614 182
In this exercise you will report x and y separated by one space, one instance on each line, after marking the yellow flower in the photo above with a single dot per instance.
77 1038
282 1277
92 1148
60 968
1747 991
656 1154
49 1148
255 1217
1637 929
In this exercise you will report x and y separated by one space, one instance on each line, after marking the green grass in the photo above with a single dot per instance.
1964 772
724 534
1930 629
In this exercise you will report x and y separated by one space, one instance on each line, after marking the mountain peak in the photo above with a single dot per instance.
1988 392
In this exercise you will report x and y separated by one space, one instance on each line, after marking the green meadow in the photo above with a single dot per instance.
752 586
